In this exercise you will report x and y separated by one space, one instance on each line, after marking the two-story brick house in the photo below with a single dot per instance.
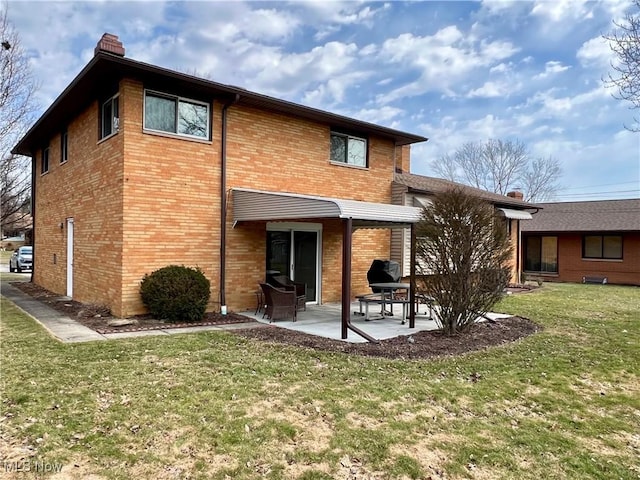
136 167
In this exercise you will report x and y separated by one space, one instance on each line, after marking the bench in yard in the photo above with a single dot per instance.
594 279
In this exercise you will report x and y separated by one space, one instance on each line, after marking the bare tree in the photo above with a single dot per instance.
462 254
625 44
17 108
500 166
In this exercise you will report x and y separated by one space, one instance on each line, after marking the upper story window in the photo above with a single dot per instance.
64 146
109 117
177 115
44 164
607 247
348 149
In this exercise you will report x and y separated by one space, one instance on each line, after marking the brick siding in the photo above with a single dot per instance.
572 267
141 201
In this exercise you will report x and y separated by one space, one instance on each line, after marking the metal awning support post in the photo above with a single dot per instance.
412 279
347 234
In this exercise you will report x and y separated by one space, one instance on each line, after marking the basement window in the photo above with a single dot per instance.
177 115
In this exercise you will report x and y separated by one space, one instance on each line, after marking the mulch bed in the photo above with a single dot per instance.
418 345
96 317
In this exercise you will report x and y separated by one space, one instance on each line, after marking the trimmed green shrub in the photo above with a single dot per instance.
176 293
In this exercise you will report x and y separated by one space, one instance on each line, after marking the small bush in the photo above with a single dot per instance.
176 293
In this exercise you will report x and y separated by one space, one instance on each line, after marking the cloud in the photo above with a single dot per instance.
441 61
595 52
562 10
551 68
490 89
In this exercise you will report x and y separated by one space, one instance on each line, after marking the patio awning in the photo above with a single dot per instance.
515 214
252 205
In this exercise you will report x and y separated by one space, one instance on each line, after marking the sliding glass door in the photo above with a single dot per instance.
293 250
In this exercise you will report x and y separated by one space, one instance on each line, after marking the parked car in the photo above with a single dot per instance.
22 259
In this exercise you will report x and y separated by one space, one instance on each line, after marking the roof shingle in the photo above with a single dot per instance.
437 185
592 216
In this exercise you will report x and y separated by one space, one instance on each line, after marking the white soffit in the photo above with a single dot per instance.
252 205
516 214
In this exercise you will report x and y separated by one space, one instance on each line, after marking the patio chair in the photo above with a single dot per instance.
282 281
280 303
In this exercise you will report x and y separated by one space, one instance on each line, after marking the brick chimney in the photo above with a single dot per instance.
516 194
109 43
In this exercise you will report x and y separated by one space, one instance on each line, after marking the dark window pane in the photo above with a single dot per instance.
338 148
160 113
593 246
107 116
549 254
193 119
45 160
64 147
532 260
612 246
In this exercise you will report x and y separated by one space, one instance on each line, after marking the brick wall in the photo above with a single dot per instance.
162 205
265 152
572 267
87 188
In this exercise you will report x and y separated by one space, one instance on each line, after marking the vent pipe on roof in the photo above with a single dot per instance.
109 43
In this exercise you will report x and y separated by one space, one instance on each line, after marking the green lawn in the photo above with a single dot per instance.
562 404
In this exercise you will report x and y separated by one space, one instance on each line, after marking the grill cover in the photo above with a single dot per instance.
383 271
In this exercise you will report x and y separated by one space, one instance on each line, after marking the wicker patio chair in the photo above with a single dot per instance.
282 281
280 303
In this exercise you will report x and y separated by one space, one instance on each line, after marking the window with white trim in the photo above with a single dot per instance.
348 149
109 117
177 115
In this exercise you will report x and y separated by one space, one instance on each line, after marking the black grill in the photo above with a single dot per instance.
383 271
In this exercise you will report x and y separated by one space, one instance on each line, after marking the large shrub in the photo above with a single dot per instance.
176 293
463 254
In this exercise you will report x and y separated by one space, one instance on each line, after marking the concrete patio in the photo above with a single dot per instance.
325 321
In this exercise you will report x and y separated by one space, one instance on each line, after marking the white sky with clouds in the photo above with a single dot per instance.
451 71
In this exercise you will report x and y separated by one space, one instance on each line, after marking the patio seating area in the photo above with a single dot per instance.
325 320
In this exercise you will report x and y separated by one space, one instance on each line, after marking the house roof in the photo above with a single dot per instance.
593 216
252 205
104 70
432 185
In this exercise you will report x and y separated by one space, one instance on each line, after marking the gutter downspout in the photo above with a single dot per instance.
33 213
223 203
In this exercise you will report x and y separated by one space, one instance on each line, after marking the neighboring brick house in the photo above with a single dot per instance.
136 167
409 189
576 241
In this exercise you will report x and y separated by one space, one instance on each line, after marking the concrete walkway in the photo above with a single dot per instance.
321 320
68 330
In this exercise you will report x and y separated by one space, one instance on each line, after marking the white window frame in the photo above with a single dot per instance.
115 119
178 99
